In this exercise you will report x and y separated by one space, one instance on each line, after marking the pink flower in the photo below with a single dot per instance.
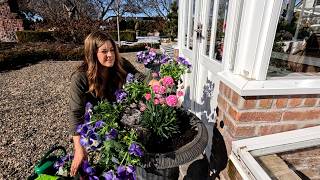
167 81
179 93
155 75
162 90
158 96
156 101
143 107
148 96
162 100
156 88
172 100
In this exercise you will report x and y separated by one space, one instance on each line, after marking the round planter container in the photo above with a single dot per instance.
165 166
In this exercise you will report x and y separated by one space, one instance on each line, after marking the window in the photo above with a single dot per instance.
296 48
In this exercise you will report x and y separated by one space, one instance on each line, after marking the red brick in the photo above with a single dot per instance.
265 103
301 115
259 116
281 103
248 103
310 102
227 92
232 112
244 131
272 129
235 98
222 103
294 102
221 87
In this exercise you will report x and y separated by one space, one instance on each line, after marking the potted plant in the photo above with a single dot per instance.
145 134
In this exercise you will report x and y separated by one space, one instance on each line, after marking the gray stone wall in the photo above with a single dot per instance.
9 23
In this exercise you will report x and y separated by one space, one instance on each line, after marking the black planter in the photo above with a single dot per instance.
165 166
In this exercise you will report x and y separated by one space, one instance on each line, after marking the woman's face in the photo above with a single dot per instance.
106 54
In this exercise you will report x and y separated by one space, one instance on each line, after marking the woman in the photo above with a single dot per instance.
99 76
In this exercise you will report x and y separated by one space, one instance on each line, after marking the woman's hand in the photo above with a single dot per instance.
79 156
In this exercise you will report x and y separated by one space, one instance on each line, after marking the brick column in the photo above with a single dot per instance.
242 117
248 116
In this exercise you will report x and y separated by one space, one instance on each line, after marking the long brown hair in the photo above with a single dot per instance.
114 77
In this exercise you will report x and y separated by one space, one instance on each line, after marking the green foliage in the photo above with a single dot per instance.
113 152
171 27
173 69
136 91
34 36
138 47
161 120
124 35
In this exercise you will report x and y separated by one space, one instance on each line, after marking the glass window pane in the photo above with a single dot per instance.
221 27
186 15
296 48
191 26
209 27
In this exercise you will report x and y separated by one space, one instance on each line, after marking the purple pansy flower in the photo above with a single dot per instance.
112 134
99 124
120 95
129 78
87 168
87 117
88 106
126 173
108 175
135 149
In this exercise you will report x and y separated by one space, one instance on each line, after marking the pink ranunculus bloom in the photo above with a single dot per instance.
167 81
156 88
172 100
156 101
154 75
158 96
148 96
179 93
162 100
162 90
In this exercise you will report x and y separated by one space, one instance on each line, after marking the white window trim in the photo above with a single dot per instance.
244 150
256 25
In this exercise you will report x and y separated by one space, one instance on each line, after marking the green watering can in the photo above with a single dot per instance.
45 166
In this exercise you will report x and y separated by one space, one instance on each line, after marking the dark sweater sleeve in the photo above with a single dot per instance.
78 89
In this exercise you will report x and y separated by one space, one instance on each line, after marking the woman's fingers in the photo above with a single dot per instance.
75 166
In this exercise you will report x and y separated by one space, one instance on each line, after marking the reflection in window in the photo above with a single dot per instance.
192 24
209 27
296 46
221 27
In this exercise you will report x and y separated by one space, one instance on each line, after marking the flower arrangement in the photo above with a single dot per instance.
117 135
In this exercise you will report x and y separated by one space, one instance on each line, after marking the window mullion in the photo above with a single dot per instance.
214 28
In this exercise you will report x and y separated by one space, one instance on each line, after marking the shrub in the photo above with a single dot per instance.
138 47
34 36
124 35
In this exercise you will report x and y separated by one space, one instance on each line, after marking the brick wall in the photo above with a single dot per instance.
9 24
243 117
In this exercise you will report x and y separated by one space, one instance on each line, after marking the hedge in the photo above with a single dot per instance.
35 36
27 53
124 35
